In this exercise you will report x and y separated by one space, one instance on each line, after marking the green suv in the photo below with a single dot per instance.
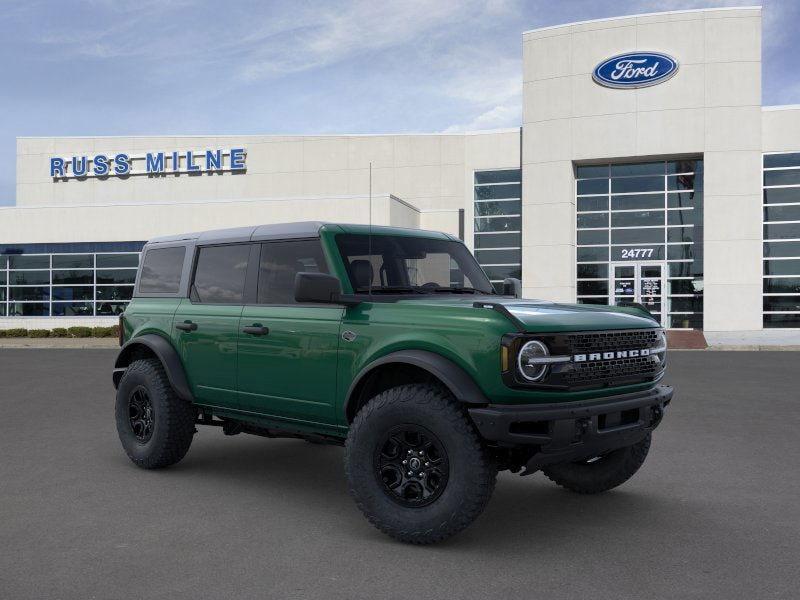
393 343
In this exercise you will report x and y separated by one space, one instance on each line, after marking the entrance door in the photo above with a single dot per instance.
641 282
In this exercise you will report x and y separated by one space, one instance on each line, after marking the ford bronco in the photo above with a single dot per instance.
395 344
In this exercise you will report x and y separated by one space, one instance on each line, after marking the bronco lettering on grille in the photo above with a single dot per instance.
610 355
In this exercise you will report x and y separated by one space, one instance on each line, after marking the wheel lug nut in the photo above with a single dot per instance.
427 464
405 461
410 473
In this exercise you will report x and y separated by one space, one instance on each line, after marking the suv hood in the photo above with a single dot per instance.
543 315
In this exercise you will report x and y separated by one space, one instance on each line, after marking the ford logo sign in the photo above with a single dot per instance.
635 70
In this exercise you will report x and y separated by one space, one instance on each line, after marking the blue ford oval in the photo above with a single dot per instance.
635 70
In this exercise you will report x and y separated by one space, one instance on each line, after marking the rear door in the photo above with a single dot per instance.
207 323
288 352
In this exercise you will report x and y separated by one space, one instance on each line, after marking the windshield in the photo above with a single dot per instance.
399 264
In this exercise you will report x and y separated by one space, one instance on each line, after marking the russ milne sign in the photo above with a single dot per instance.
635 70
152 163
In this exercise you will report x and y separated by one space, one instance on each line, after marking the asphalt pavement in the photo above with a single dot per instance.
714 512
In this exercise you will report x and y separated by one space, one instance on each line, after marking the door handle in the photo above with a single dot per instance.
255 329
186 326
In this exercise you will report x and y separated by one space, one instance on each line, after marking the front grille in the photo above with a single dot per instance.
603 371
606 341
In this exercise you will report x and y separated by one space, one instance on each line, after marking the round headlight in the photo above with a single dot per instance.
527 364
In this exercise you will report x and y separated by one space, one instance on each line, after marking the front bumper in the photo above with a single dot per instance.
566 432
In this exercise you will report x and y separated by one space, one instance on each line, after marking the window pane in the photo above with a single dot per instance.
593 220
219 276
602 301
3 294
586 171
782 195
73 277
29 293
782 267
682 182
599 203
682 269
782 213
780 249
498 240
637 202
114 292
503 272
684 286
684 166
637 219
592 271
73 293
498 224
637 236
782 285
592 186
498 176
483 209
3 262
280 262
782 303
694 304
498 257
649 168
72 309
22 261
637 184
110 308
161 271
679 252
73 261
592 254
491 192
29 277
28 309
639 252
686 321
680 234
593 288
791 159
592 237
788 320
789 177
119 276
782 231
117 260
2 310
684 217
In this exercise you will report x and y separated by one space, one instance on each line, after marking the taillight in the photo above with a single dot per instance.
121 332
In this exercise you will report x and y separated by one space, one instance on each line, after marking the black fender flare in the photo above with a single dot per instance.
165 352
458 381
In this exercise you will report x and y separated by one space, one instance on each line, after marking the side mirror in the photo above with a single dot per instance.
512 287
319 288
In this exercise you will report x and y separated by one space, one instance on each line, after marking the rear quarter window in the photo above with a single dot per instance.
161 270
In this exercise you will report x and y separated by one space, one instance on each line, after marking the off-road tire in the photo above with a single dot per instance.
472 473
172 418
607 472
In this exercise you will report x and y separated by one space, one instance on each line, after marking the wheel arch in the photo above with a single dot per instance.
151 345
410 366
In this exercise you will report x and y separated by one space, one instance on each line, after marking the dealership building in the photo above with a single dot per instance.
645 169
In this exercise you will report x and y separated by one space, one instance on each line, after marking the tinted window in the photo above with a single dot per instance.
161 271
280 262
220 274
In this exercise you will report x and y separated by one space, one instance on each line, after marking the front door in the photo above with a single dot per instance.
288 352
641 282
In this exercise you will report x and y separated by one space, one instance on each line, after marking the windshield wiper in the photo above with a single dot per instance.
457 290
389 289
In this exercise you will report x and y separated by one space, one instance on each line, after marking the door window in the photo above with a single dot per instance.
220 274
280 262
161 271
642 283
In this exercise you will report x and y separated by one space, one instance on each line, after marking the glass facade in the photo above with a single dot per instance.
781 301
67 280
498 224
640 237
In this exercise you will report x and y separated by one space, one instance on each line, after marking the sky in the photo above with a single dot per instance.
172 67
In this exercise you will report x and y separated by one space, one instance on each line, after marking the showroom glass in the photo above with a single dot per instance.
498 224
644 213
781 229
220 274
281 262
409 264
68 284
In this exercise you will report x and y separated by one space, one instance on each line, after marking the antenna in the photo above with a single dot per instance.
369 237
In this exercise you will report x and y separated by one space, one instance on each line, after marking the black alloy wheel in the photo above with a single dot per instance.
140 414
411 465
